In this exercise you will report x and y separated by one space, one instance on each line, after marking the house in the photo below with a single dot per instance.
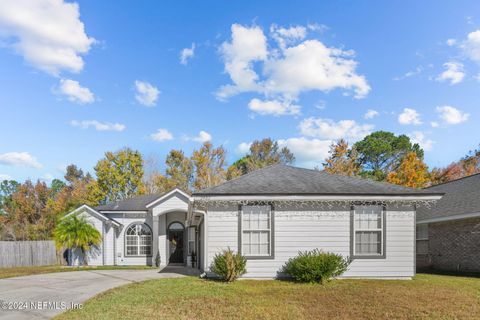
268 215
448 234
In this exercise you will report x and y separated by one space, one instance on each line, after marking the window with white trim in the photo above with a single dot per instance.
191 240
256 230
368 230
138 240
422 238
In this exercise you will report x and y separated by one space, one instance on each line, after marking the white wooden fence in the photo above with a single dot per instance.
27 253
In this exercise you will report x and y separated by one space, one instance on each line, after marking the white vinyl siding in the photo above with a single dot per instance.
95 255
368 230
127 219
307 228
256 230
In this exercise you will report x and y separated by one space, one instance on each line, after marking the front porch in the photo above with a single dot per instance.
176 233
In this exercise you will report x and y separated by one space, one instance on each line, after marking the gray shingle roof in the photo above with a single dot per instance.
461 196
286 180
136 203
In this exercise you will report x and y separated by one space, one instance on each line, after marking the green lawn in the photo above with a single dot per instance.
26 271
425 297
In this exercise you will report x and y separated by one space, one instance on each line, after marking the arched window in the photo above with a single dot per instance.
138 240
175 226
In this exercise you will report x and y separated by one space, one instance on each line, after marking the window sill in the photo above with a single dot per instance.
359 257
259 257
144 256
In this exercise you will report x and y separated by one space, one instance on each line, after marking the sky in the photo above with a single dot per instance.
78 79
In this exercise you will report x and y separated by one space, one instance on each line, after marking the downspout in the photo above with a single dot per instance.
415 240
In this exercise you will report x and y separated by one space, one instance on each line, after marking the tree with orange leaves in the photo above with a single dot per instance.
412 172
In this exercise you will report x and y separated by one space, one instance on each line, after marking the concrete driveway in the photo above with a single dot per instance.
46 295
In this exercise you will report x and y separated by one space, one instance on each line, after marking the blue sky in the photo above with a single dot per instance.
80 79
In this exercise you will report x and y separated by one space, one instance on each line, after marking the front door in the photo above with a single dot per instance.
175 238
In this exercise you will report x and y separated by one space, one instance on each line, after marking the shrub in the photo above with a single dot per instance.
229 265
315 266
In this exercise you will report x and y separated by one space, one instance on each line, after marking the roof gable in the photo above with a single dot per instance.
139 203
462 196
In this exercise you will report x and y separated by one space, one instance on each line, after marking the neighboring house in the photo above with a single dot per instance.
268 215
448 234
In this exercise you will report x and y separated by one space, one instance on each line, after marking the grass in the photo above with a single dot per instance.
26 271
425 297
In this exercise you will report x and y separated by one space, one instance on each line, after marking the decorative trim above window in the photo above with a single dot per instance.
368 232
256 231
138 240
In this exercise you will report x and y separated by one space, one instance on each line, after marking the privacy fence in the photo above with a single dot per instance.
27 253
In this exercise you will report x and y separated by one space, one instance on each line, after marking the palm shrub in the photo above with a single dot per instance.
315 266
76 233
229 265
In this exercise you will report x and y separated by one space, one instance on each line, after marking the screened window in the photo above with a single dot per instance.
422 239
138 240
368 230
256 225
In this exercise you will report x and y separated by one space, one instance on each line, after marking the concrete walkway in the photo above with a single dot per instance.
46 295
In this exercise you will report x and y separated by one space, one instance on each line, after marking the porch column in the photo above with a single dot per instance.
155 253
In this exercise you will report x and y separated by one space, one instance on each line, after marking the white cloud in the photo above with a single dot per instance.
370 114
454 73
47 177
243 148
451 115
410 73
5 177
202 137
297 65
161 135
146 93
186 54
47 33
313 66
434 124
409 116
23 159
287 36
329 129
419 137
273 107
451 42
308 152
99 126
471 46
75 92
247 46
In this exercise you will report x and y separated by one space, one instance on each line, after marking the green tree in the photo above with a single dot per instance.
7 188
179 169
77 233
119 175
342 159
382 152
73 173
262 153
57 185
209 163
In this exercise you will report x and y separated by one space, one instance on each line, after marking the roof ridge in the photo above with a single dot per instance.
242 176
464 177
358 178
